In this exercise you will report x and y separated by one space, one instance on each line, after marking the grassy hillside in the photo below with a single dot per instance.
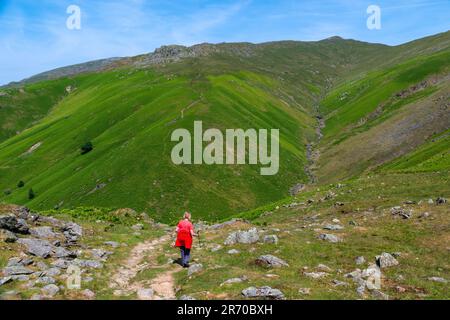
129 115
386 114
378 102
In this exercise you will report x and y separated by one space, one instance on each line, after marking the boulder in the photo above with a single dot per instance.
271 238
45 280
42 232
195 268
37 247
186 297
360 260
305 291
315 275
378 295
401 212
234 280
233 251
88 294
329 237
7 236
16 270
61 263
11 223
333 227
271 261
246 237
323 268
60 252
145 294
50 290
100 254
441 200
437 279
17 261
386 260
87 263
264 292
52 272
72 232
112 244
5 280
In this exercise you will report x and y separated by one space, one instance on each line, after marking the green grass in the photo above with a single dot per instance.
128 113
367 202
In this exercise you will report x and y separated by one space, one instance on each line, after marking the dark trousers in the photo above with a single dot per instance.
185 255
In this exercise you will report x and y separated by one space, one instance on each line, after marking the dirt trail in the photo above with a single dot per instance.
163 285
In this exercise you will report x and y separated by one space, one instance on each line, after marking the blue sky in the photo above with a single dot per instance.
34 36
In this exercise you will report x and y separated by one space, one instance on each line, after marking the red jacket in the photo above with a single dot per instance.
184 234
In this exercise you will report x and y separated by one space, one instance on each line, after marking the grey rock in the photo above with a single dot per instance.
296 189
224 224
5 280
88 294
264 292
36 297
45 280
329 237
11 223
401 212
186 297
42 232
88 263
361 290
271 261
20 277
61 263
377 294
360 260
338 283
233 251
304 291
216 248
437 279
441 200
16 261
50 290
316 275
271 238
333 227
52 272
60 252
41 265
16 270
112 244
246 237
100 254
52 221
7 236
37 247
386 260
145 294
195 268
323 268
234 280
72 232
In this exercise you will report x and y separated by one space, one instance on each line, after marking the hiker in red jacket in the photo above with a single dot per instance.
185 233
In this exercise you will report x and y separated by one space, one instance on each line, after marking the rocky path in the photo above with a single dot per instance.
143 256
